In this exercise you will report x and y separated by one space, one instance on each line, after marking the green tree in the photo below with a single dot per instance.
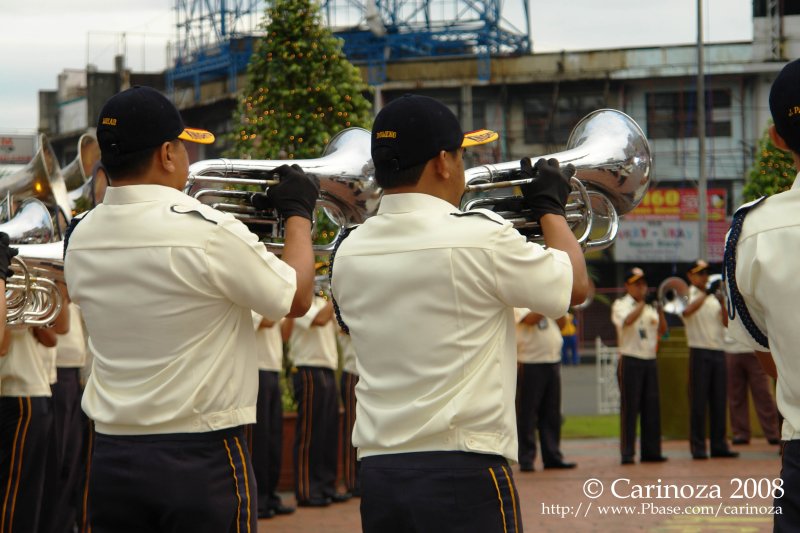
301 89
772 172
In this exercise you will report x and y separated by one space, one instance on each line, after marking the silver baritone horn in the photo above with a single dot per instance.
32 296
348 192
613 163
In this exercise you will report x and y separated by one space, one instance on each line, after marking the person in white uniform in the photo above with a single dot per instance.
763 288
312 348
166 285
347 390
427 293
639 326
708 392
267 435
539 389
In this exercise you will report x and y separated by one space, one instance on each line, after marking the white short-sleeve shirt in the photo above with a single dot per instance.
166 286
540 342
311 345
28 367
269 344
767 279
640 338
704 327
71 347
428 294
348 353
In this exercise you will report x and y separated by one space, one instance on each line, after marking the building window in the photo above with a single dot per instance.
551 123
673 115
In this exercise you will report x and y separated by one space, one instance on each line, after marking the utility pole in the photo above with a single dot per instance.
702 192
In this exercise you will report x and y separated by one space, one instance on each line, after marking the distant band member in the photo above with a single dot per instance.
639 327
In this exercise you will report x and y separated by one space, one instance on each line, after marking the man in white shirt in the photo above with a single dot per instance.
427 293
166 285
708 373
267 440
312 348
347 390
539 389
639 327
763 288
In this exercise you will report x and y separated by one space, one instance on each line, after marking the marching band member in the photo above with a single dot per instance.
539 389
27 371
763 288
347 390
312 347
166 285
639 327
427 293
267 445
704 324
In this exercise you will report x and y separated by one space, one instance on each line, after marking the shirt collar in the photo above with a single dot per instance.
132 194
414 201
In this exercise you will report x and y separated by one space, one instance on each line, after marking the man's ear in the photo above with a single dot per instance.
167 155
441 166
777 140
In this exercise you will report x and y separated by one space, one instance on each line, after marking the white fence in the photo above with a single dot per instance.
607 386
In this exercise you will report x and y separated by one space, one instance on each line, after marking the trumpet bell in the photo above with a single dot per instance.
673 295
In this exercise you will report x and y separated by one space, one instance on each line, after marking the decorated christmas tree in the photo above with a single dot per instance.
773 171
301 89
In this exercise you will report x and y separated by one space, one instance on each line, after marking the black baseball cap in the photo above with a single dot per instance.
633 275
413 129
784 104
140 118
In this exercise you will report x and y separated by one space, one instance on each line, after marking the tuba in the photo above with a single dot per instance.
41 178
613 161
673 295
32 296
348 192
78 173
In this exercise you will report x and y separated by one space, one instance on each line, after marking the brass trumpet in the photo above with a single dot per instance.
612 159
348 192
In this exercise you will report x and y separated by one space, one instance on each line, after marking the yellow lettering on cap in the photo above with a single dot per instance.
107 121
794 110
479 136
386 134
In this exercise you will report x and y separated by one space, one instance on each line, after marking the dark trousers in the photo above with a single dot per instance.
789 497
350 463
707 393
65 460
539 409
86 452
639 399
199 482
745 370
316 438
431 492
25 426
267 440
569 350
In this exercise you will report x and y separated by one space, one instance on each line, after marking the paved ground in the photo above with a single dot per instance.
558 500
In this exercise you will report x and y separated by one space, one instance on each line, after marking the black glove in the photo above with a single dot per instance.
6 253
295 195
548 192
651 298
713 288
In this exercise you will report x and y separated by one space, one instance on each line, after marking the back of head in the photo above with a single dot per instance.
133 123
407 133
784 104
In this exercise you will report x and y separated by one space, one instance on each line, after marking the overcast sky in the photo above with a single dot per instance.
41 38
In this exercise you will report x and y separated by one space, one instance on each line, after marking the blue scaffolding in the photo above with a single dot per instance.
215 37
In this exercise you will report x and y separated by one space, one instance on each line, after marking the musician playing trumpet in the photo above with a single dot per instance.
428 293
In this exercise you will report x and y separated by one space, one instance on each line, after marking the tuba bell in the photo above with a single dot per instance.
673 295
78 173
613 161
348 191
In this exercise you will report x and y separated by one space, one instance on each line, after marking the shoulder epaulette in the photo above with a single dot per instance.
489 215
736 302
188 210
